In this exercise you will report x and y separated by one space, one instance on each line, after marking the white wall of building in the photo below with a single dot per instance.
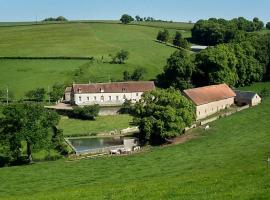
105 98
206 110
256 100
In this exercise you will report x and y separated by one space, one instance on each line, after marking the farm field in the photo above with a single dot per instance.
77 39
226 162
73 127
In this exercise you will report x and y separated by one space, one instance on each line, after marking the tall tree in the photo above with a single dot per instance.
178 71
126 19
28 123
162 114
216 65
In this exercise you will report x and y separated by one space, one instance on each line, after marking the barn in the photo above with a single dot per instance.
210 99
247 98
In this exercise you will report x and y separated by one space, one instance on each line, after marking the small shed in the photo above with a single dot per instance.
247 98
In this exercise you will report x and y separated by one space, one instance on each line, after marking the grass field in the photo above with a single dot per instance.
73 127
226 162
77 39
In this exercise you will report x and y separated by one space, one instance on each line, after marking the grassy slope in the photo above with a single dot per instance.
76 39
227 162
102 124
23 75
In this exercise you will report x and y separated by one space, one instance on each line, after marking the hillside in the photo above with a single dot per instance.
76 39
226 162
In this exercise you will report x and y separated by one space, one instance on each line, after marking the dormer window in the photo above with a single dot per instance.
123 89
101 90
80 90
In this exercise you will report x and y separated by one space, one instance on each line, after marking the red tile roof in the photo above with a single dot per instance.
208 94
116 87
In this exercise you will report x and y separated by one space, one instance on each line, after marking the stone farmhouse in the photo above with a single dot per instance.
210 99
107 94
247 98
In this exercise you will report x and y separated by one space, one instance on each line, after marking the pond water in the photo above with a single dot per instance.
91 144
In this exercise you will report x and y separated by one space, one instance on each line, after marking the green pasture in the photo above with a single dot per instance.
229 161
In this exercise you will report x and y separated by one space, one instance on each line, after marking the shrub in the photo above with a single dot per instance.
126 108
264 93
86 112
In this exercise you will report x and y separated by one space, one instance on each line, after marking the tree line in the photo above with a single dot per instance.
215 31
126 19
178 40
238 63
57 19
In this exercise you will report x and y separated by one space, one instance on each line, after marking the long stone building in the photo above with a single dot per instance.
210 99
107 94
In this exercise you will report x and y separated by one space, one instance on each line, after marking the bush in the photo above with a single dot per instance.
120 57
137 74
264 93
126 108
86 112
163 35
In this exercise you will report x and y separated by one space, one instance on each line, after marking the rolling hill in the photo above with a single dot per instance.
95 39
227 162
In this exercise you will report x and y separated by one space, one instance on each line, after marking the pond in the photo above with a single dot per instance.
95 145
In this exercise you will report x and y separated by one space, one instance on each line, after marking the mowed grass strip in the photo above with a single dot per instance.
226 162
102 124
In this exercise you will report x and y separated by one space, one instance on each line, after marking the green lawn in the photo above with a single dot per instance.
73 127
226 162
76 39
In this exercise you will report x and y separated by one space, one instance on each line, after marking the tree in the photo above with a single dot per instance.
126 108
135 76
258 25
162 114
268 25
249 69
36 95
57 92
138 18
163 35
178 71
179 41
120 57
126 76
138 74
126 19
61 18
86 112
216 65
29 123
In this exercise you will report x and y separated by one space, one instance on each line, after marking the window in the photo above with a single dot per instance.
110 98
88 98
124 97
199 112
95 98
117 98
205 110
80 98
137 94
102 98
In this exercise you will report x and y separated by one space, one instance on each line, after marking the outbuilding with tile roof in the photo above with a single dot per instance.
210 99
